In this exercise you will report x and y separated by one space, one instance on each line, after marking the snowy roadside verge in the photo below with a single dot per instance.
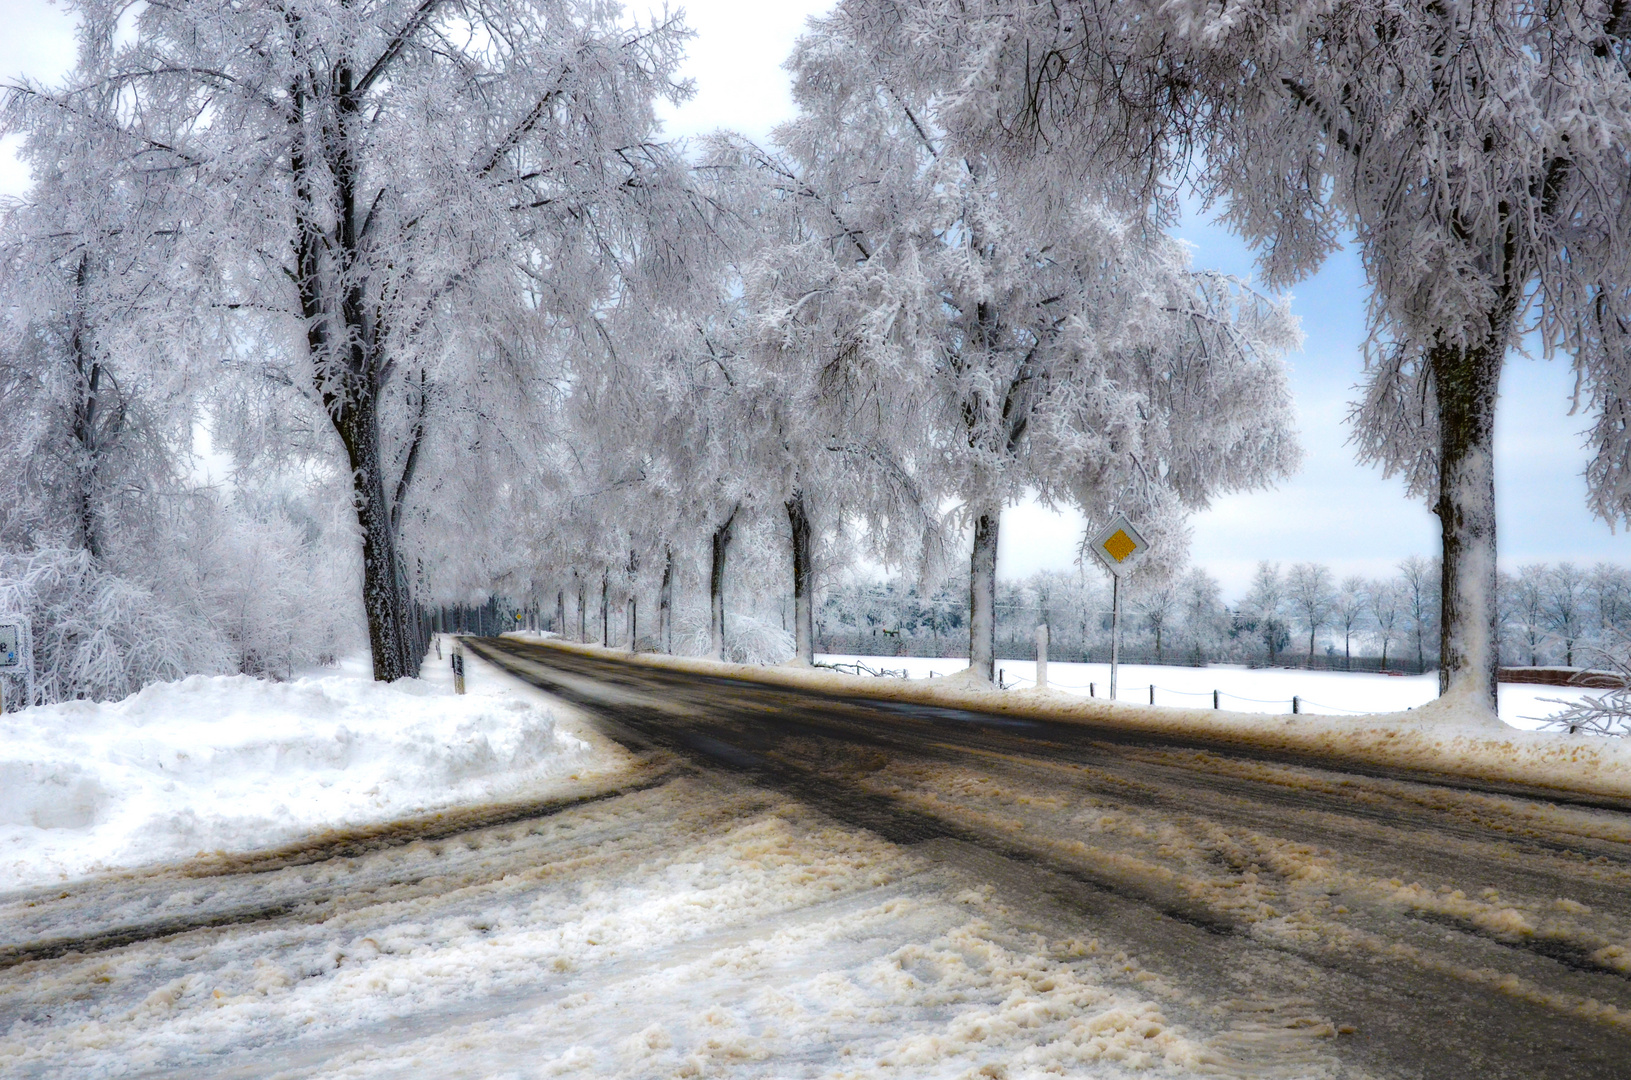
1442 737
232 764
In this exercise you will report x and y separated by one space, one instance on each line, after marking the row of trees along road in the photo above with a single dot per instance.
377 208
1297 615
1479 152
442 251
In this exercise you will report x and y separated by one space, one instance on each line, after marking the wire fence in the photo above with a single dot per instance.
887 644
1296 704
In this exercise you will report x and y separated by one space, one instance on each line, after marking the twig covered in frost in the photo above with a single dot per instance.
1601 714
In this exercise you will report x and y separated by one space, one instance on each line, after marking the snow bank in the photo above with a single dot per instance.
1444 736
234 762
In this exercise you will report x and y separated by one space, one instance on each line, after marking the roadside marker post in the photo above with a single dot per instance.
1118 546
16 658
458 667
1042 657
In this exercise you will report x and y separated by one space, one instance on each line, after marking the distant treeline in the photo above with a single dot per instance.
1300 616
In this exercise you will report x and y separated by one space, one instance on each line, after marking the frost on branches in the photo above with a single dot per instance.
383 205
1479 151
1057 346
1601 714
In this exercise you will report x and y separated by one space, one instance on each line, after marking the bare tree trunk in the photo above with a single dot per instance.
344 340
560 612
982 590
1466 381
633 597
665 604
382 599
96 426
803 580
716 588
583 632
606 608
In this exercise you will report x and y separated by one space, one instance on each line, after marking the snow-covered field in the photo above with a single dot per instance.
1240 689
234 763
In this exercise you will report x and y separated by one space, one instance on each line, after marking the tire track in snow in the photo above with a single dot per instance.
1500 982
309 904
721 931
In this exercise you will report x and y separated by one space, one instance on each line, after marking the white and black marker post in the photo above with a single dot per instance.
1118 546
16 657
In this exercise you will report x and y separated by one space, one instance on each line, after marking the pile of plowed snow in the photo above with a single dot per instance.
232 763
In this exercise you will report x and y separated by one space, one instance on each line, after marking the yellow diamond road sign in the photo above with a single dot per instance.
1118 545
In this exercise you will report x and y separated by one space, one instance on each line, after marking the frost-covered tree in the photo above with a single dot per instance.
387 199
1157 602
1205 619
672 427
96 515
1523 601
1608 713
1610 588
93 416
1264 607
838 426
1419 588
701 418
1311 597
1058 347
1479 151
1352 606
1386 602
1566 606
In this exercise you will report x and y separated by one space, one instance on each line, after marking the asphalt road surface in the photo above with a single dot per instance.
1446 931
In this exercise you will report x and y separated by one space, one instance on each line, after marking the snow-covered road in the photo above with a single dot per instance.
688 927
854 891
1391 913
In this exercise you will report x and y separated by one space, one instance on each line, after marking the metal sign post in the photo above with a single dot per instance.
1115 630
16 656
1118 546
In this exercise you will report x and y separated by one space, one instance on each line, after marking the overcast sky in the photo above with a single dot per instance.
1334 511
